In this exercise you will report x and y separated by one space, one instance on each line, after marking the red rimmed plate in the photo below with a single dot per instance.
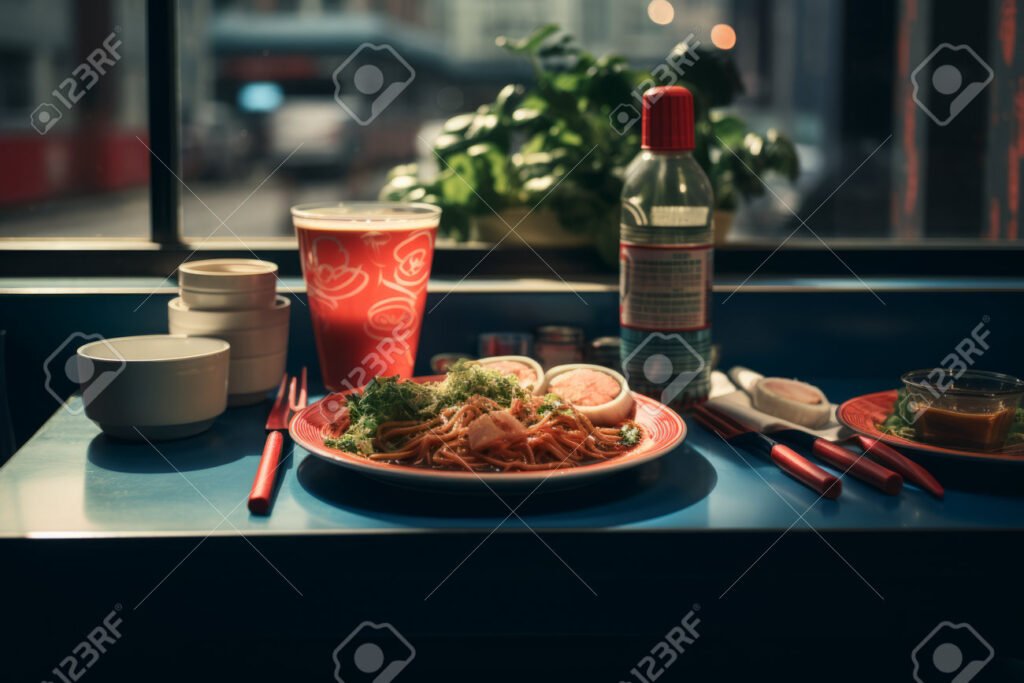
863 414
663 431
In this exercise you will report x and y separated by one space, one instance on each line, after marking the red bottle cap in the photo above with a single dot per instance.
667 123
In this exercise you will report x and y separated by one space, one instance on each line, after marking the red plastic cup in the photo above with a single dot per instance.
366 266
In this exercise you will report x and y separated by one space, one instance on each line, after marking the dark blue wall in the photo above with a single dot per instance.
820 333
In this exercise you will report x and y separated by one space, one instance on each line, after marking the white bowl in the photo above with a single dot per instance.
212 322
245 299
259 341
227 275
249 379
164 386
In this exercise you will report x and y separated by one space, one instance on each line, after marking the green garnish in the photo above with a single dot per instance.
1016 434
552 403
629 435
467 378
901 422
389 399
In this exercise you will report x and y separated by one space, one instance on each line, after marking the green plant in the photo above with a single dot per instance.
553 141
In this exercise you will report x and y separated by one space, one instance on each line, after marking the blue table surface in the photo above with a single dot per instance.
71 481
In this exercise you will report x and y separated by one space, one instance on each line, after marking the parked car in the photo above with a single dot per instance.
318 134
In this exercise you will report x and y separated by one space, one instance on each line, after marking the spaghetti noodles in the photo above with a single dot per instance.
480 434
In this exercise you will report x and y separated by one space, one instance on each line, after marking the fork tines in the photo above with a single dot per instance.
297 404
285 404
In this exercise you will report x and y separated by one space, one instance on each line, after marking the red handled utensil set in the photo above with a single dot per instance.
879 466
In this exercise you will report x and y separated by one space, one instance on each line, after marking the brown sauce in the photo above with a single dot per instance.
983 431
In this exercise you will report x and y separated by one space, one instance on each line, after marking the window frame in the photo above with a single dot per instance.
167 246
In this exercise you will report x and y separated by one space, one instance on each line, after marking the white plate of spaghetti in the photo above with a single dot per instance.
476 425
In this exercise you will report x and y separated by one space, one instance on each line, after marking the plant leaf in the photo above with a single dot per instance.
491 165
403 170
530 43
459 123
780 155
458 180
484 124
447 144
508 99
728 129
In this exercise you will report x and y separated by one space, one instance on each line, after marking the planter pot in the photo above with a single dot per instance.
540 228
723 225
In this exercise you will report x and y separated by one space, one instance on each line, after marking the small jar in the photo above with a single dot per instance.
439 363
605 351
558 345
504 344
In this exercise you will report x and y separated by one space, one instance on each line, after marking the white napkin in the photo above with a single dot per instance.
735 402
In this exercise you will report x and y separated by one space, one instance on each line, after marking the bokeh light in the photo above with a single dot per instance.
661 12
723 36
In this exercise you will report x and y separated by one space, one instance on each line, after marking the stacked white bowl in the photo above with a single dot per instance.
236 300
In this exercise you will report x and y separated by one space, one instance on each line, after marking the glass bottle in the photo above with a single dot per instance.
666 257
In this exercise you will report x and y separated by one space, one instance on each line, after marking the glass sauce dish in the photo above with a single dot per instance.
970 409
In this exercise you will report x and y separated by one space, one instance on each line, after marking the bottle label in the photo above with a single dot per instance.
661 225
680 216
665 288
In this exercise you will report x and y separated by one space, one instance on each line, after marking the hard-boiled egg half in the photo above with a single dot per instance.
595 391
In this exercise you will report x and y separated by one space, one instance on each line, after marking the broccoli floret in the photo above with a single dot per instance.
551 403
350 443
385 399
466 378
389 399
629 435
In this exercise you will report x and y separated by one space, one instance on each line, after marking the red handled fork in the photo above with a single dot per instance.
277 424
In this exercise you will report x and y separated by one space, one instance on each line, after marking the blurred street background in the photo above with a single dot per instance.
257 89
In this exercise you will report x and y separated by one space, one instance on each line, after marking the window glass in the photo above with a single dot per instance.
73 126
831 120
